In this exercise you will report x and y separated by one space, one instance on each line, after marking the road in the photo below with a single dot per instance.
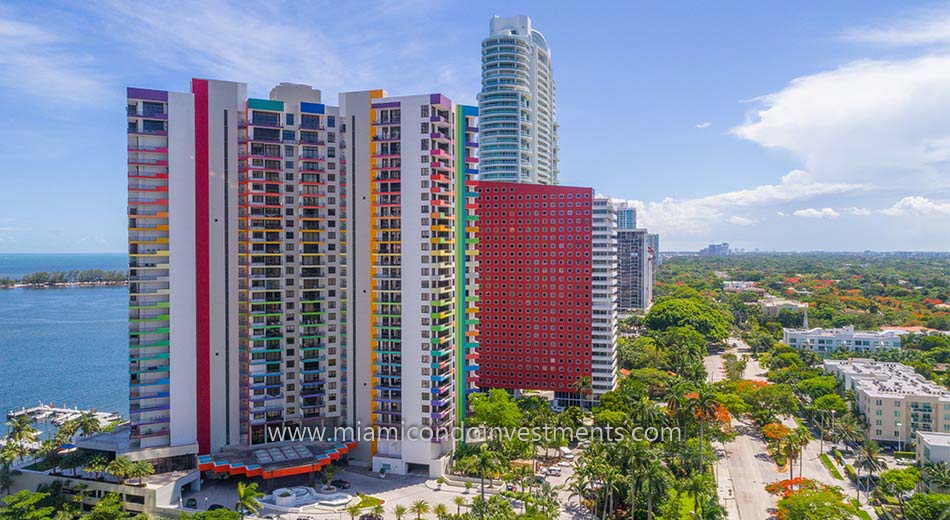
744 467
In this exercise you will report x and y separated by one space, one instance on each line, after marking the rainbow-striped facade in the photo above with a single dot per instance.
296 264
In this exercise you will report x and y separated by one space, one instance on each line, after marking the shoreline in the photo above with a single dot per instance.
64 285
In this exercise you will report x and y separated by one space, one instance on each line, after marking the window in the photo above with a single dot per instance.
289 118
331 121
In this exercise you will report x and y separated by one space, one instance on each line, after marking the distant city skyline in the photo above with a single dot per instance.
827 131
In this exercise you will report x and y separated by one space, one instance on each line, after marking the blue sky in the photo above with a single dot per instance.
789 126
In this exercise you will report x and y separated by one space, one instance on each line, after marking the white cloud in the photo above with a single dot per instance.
918 206
742 221
255 43
704 124
880 121
38 62
697 216
334 48
859 212
816 213
927 28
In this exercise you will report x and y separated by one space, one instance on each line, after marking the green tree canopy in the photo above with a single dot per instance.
682 312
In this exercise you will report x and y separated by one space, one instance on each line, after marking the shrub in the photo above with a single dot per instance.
848 470
905 454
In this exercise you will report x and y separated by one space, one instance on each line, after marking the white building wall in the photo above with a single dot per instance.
223 267
181 226
355 108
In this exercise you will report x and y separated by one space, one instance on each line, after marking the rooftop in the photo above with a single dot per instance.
846 330
935 439
887 379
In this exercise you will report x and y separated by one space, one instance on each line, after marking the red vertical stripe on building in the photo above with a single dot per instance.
199 88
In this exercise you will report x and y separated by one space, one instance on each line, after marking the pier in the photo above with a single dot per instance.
59 416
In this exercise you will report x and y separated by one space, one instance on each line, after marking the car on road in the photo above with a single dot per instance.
565 464
340 484
554 471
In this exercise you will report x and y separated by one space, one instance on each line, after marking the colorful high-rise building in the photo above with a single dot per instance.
413 259
548 308
517 105
295 264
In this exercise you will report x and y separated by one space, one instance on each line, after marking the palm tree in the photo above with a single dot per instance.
486 463
849 430
119 468
354 511
636 452
6 477
937 476
459 504
419 508
399 511
248 498
703 403
378 511
676 403
329 471
89 424
700 486
869 458
584 387
791 447
804 437
611 477
20 429
141 469
440 511
72 460
656 482
96 465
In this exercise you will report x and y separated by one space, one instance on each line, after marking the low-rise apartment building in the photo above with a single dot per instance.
895 401
825 341
774 306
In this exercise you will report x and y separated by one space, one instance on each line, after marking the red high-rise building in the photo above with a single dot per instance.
536 279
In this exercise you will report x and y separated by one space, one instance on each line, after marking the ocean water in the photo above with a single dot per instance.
16 265
65 346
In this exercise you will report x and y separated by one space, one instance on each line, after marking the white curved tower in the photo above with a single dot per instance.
517 107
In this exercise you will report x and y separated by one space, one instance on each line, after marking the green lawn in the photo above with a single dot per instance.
369 501
831 467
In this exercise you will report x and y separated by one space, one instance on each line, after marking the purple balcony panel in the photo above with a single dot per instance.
439 99
147 94
391 104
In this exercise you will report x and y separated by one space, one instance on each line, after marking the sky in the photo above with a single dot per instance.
780 126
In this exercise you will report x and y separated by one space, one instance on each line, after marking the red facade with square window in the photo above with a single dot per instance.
535 244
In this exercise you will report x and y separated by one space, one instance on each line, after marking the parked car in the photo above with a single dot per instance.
370 516
565 464
214 507
340 484
554 471
191 503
